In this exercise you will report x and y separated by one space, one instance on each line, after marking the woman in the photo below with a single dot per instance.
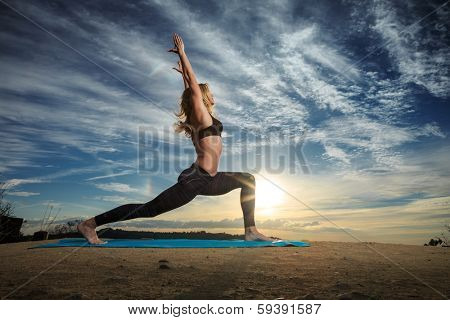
201 178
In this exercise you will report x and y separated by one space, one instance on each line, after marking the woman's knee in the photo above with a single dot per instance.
249 178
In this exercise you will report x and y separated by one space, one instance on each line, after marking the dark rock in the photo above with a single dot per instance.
354 295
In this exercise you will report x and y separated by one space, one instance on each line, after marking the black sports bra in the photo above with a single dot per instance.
213 130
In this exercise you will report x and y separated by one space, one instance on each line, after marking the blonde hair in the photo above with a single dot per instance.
184 115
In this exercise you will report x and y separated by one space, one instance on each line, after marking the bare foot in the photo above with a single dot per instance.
87 229
255 235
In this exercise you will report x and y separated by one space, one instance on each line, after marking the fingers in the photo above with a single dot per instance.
180 40
179 69
178 43
177 40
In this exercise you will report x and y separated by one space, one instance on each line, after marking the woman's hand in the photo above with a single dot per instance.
179 45
180 68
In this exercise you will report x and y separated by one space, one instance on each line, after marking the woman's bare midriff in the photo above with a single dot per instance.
208 151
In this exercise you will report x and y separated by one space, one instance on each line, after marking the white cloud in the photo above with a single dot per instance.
420 55
360 134
115 199
22 193
110 175
12 183
117 187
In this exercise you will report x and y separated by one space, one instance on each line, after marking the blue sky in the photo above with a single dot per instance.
365 82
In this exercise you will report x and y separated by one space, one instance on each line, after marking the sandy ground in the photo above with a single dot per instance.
326 270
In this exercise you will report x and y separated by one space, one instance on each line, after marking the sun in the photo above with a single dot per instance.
268 196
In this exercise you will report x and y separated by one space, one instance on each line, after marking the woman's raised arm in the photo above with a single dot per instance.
201 114
183 74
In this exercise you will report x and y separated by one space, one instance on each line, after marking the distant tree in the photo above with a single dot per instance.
434 242
442 239
9 229
6 208
445 236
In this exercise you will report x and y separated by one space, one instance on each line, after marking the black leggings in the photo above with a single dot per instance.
192 182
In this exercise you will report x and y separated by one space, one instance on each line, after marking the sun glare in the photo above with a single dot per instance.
268 196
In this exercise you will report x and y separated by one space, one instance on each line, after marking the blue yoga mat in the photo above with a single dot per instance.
172 243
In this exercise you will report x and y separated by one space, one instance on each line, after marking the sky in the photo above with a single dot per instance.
352 95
